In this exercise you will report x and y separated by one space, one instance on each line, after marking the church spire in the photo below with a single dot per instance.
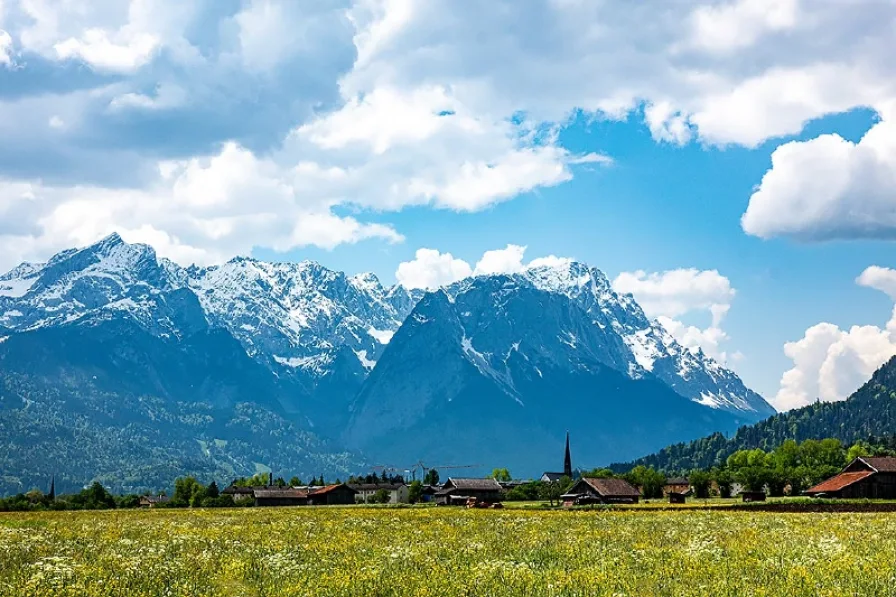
567 461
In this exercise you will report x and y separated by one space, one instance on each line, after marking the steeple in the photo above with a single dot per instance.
52 492
567 461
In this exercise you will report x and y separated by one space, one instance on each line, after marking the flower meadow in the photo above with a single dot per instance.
446 552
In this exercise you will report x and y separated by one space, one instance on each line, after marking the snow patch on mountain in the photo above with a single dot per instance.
381 336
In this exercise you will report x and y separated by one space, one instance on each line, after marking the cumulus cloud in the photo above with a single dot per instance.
202 209
676 292
5 49
668 295
830 363
380 105
829 188
431 269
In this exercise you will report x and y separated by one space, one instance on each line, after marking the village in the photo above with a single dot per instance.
865 477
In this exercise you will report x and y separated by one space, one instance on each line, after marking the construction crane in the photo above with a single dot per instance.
423 468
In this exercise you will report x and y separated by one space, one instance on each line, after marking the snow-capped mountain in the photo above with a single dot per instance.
533 338
649 349
319 328
499 367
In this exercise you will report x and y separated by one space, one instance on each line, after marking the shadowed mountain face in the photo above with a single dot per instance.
129 367
499 367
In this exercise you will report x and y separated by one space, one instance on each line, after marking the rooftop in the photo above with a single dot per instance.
839 482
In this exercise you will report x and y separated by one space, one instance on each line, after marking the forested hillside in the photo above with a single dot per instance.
869 414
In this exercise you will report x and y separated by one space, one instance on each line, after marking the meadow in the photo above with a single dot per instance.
328 552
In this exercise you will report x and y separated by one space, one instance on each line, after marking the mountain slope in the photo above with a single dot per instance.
136 414
318 330
497 369
869 412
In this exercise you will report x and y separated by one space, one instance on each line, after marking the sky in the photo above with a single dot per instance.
731 163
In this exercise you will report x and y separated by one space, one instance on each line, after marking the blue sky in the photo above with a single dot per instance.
732 163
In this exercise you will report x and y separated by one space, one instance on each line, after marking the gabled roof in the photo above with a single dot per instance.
329 488
552 476
677 481
281 493
881 464
488 484
611 487
839 482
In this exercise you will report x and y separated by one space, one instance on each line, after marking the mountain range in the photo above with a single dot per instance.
129 368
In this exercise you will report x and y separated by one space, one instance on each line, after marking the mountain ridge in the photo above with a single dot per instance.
868 413
320 335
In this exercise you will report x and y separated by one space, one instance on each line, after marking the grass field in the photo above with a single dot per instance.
445 552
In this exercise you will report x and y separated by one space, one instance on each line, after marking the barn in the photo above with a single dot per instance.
333 495
590 490
280 496
865 477
457 491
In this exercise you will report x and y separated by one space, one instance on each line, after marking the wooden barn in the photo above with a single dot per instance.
865 477
458 490
280 496
590 490
332 495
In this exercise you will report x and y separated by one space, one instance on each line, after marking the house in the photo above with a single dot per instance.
280 496
678 485
550 477
151 501
459 490
864 477
398 492
429 493
238 494
332 495
589 490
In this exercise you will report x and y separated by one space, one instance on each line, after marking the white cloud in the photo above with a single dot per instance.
881 278
5 48
671 294
202 209
676 292
166 96
424 146
828 188
830 363
431 269
501 261
734 25
56 122
98 50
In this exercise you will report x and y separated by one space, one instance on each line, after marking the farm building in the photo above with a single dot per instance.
864 477
238 494
398 492
332 495
151 501
678 485
589 490
458 490
280 496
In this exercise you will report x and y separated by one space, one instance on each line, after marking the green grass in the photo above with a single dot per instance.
446 552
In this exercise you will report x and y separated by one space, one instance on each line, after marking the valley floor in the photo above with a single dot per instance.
446 552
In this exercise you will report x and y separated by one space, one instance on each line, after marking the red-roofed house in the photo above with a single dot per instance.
332 495
865 477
